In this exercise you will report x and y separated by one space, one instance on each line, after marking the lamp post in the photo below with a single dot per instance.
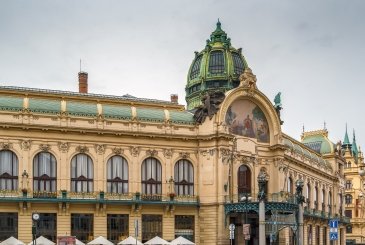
300 200
35 218
246 228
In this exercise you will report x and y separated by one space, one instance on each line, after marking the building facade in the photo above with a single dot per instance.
93 164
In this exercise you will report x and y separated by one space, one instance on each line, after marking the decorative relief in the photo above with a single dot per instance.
118 151
208 152
224 152
82 149
25 144
16 116
184 155
44 147
6 146
63 146
134 150
152 152
100 149
167 153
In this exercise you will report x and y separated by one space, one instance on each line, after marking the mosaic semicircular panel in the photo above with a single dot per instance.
245 118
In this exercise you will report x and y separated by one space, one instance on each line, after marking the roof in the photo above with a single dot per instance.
318 141
17 102
306 151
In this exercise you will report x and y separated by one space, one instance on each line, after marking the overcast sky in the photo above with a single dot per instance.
311 51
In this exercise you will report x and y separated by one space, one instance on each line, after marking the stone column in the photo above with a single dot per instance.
300 199
262 240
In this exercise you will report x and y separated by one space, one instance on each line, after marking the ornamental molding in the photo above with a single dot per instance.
82 149
100 149
118 151
184 155
134 150
63 146
6 146
151 152
44 147
224 152
207 152
167 153
25 145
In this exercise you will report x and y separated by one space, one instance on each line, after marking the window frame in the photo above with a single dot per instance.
81 178
118 179
184 184
10 178
44 178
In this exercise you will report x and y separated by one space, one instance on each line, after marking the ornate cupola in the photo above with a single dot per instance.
215 68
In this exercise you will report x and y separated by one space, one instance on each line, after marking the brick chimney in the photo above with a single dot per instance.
82 82
174 98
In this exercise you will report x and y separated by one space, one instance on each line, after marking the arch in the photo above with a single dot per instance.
82 173
243 179
184 177
151 175
117 174
44 172
258 98
9 165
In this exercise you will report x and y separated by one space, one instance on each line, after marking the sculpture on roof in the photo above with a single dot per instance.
277 106
209 107
248 79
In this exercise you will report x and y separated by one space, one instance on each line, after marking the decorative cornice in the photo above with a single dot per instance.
118 151
25 145
63 146
100 149
82 149
44 147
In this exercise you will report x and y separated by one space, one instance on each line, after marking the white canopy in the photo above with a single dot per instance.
181 241
130 241
11 241
78 242
156 241
42 241
100 241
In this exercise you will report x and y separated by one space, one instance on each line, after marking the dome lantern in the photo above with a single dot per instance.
216 68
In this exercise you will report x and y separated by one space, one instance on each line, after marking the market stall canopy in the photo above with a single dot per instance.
181 241
156 241
100 241
78 242
11 241
42 241
130 241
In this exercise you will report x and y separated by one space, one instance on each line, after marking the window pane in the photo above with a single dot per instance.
8 225
184 226
237 63
8 170
82 227
216 62
117 227
151 226
195 70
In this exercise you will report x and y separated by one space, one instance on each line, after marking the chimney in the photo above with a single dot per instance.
174 98
83 82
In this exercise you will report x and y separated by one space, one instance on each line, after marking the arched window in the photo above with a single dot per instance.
308 195
151 176
195 69
329 198
323 198
216 62
82 173
8 170
117 174
44 172
290 185
184 177
244 179
316 197
348 199
237 63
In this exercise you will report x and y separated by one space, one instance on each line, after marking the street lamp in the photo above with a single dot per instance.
246 197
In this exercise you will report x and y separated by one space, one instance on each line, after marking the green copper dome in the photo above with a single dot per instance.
216 68
318 141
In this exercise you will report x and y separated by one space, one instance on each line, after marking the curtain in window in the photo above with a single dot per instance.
44 172
82 173
184 177
8 170
151 176
117 175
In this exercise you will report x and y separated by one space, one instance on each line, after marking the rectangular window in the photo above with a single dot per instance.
348 213
47 226
8 225
117 227
184 226
82 226
324 235
151 226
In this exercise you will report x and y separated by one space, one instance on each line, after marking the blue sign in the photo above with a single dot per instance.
334 223
333 236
